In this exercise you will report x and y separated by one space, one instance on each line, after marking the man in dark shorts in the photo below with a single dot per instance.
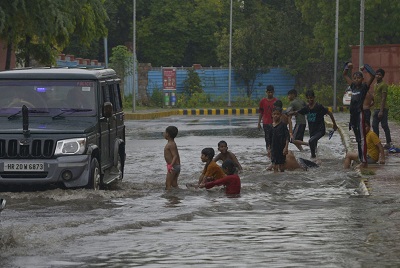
315 117
279 141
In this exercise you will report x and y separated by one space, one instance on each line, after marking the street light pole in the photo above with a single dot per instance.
336 55
134 59
361 55
105 52
230 57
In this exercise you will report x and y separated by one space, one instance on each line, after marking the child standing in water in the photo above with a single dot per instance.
172 158
231 181
279 141
211 170
359 90
225 155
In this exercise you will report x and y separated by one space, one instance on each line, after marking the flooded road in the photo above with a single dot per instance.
311 218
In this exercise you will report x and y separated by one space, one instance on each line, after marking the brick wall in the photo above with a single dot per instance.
70 61
386 57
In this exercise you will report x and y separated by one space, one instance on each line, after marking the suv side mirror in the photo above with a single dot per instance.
107 109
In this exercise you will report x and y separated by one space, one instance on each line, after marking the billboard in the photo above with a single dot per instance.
169 78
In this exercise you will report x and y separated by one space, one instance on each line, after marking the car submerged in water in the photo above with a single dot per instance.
61 126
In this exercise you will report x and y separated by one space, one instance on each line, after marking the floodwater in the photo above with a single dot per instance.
314 218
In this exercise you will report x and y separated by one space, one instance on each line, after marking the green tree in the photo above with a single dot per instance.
381 23
252 43
192 84
162 36
39 29
121 61
205 20
176 32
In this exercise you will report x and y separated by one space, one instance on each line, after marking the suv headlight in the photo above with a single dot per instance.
71 146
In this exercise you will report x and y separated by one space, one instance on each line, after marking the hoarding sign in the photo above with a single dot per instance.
169 78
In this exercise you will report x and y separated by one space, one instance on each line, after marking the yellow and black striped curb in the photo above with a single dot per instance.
150 115
229 111
143 115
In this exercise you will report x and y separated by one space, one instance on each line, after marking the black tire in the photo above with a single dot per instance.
95 182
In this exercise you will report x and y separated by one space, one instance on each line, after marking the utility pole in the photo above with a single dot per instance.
134 59
230 58
336 56
105 52
361 56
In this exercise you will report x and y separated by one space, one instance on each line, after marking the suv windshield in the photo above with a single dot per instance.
52 96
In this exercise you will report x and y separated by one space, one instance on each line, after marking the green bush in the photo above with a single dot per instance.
127 102
393 100
157 98
324 95
196 100
245 102
192 84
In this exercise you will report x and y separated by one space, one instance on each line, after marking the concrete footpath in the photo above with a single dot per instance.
367 179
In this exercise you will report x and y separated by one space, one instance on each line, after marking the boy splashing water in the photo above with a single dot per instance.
231 181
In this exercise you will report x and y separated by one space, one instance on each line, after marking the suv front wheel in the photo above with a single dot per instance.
95 176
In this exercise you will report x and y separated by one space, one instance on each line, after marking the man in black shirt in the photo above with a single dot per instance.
315 113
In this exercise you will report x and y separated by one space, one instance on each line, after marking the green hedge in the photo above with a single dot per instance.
324 95
393 101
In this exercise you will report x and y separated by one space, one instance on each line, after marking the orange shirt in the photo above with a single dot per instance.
214 171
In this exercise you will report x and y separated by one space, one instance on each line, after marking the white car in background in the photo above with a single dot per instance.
347 96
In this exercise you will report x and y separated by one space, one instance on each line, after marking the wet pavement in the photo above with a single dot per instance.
317 218
388 170
392 160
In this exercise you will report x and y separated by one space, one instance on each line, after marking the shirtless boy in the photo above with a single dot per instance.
225 155
359 90
172 158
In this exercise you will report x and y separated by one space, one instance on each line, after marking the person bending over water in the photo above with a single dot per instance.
292 163
231 181
375 151
211 170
